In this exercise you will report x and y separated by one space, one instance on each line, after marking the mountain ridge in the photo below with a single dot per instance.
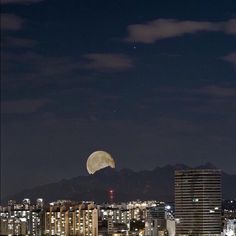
146 184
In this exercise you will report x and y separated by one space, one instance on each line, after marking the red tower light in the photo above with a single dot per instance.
111 195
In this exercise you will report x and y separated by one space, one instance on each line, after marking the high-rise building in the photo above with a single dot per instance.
21 219
80 220
198 202
155 223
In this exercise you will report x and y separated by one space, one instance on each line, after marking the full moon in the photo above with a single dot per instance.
99 160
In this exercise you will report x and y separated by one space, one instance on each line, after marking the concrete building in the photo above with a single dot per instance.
21 219
230 227
155 222
198 202
65 220
170 227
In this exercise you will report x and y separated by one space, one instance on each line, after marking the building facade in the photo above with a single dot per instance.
21 219
79 220
198 202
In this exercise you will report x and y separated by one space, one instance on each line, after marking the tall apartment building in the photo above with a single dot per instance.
155 223
198 202
21 219
117 215
79 220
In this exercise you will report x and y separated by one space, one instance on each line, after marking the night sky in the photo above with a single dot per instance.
151 82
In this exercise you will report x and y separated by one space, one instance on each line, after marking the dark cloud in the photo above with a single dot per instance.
17 42
230 26
218 91
159 29
38 66
20 1
41 67
214 91
231 58
108 62
11 22
22 106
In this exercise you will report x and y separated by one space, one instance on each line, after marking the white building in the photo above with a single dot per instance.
230 228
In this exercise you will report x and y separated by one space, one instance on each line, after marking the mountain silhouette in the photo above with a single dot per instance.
127 184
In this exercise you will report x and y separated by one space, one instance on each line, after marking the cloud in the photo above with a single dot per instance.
218 91
17 42
20 1
37 66
22 106
42 69
230 26
159 29
107 62
213 91
231 58
11 22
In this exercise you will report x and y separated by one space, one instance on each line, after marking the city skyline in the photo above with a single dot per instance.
198 209
153 84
